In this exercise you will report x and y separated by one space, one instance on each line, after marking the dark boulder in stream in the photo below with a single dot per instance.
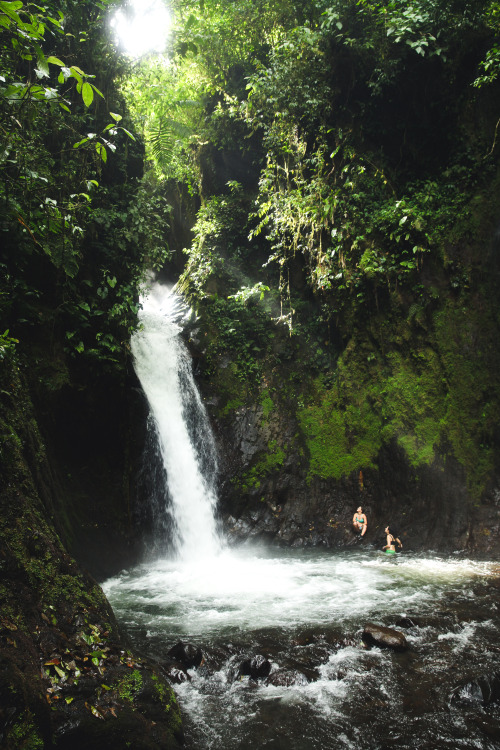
187 654
378 635
483 690
255 667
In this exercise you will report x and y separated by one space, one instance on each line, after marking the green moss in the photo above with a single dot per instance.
339 440
267 403
413 404
373 401
266 463
471 361
23 734
165 693
231 406
433 393
129 686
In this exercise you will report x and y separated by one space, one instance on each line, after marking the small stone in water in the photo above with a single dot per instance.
378 635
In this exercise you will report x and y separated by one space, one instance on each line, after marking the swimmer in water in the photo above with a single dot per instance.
359 521
390 547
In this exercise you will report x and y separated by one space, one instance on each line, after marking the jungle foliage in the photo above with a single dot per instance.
77 225
345 155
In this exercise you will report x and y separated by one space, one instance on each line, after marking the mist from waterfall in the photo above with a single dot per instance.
178 418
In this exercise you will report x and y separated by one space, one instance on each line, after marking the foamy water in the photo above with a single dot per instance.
242 589
163 367
305 611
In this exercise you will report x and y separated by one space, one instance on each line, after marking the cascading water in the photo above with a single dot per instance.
180 424
304 610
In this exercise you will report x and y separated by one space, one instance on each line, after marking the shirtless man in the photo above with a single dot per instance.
359 521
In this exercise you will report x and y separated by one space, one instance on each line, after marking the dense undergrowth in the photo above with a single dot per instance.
344 252
78 226
344 160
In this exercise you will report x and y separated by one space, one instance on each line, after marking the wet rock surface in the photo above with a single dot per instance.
77 684
287 678
285 505
187 654
378 635
255 667
175 673
406 622
69 678
483 690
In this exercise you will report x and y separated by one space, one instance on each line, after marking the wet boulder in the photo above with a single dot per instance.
481 691
255 667
378 635
287 678
175 673
187 654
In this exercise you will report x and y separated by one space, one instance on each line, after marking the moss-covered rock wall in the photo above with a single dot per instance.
347 286
68 677
392 402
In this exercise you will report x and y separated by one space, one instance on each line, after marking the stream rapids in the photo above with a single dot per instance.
304 611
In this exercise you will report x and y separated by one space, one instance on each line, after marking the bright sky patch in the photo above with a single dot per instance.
142 26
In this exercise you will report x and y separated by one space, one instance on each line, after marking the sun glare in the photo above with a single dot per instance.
141 26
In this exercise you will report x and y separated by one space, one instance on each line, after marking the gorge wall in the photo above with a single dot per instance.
344 268
341 253
68 677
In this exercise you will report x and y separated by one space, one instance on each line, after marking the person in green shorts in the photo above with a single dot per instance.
359 521
390 547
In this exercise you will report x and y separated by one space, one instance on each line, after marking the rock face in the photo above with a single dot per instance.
378 635
288 508
67 677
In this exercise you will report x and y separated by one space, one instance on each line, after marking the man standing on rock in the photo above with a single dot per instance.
359 521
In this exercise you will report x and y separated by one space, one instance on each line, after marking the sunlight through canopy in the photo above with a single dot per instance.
141 26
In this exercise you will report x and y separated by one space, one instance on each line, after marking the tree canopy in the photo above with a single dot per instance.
74 246
343 157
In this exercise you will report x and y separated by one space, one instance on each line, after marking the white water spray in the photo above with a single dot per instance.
163 367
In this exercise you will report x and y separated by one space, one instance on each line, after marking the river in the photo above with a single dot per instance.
304 612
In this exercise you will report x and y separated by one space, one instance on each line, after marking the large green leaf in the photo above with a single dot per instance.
87 94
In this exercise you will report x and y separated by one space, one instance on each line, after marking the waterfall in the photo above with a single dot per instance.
184 439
